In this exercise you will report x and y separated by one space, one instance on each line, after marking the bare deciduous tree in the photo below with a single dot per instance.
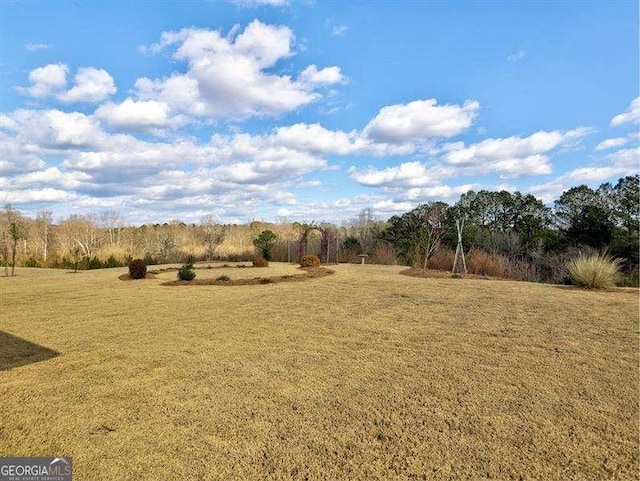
43 222
429 235
213 234
111 221
79 231
364 227
166 238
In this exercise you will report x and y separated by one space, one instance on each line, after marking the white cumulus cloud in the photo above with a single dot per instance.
407 174
44 130
135 115
632 114
511 156
620 163
327 76
626 158
35 195
92 85
612 143
235 78
436 192
315 138
420 120
52 177
46 80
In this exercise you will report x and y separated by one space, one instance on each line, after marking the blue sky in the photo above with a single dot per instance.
310 110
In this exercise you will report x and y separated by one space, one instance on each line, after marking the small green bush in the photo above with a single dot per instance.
596 271
265 243
111 262
309 260
186 273
31 262
137 269
223 277
239 257
259 261
149 260
352 243
93 263
631 280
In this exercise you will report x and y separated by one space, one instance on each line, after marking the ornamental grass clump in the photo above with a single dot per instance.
597 271
259 261
309 260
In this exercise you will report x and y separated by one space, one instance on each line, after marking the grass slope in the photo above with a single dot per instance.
365 374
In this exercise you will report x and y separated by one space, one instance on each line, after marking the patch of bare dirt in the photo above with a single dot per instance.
434 274
127 277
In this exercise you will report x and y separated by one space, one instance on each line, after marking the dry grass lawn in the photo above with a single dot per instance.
362 375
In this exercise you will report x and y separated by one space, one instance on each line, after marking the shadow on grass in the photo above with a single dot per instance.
16 352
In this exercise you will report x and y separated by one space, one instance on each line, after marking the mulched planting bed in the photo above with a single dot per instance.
310 273
434 274
127 277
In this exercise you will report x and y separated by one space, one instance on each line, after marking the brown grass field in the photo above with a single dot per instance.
361 375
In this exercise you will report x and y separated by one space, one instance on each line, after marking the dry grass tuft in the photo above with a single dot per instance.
384 254
363 375
486 264
442 260
479 262
597 271
259 261
309 260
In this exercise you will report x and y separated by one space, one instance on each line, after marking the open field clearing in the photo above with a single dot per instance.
364 374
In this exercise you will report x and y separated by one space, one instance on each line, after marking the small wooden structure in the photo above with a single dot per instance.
363 257
329 236
459 248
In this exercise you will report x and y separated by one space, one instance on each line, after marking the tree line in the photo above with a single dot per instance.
521 229
529 239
